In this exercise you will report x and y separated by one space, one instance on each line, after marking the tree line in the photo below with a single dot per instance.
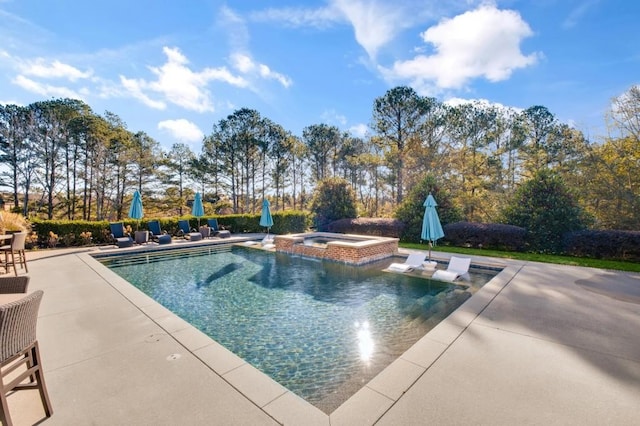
62 160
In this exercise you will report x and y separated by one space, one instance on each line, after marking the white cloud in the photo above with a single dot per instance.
43 68
245 64
484 42
359 130
11 102
182 130
178 84
299 16
135 89
578 13
375 22
332 117
481 103
46 90
242 63
55 69
454 101
240 57
269 74
234 27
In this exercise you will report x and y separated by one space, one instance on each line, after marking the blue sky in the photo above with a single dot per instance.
173 69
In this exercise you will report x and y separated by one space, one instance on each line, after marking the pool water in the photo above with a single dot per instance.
322 329
322 242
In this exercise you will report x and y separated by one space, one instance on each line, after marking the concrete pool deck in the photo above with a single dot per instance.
539 344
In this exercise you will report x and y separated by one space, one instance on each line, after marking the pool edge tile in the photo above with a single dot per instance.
424 352
289 408
445 332
397 378
255 385
365 407
172 323
218 358
191 338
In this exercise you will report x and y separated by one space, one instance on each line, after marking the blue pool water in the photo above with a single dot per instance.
322 329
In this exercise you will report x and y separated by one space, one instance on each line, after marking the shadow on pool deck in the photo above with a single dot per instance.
539 344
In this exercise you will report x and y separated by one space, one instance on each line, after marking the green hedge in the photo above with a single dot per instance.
495 236
609 244
287 222
380 227
69 232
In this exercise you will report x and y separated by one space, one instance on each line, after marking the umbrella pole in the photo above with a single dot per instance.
430 245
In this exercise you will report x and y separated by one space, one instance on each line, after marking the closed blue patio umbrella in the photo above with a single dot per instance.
431 227
198 209
135 211
265 219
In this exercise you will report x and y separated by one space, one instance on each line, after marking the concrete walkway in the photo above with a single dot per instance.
539 344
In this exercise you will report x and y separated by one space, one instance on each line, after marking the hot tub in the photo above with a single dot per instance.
346 248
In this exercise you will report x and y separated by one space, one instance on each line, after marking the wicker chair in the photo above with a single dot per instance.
19 352
16 251
14 284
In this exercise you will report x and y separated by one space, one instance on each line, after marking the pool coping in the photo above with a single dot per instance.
284 406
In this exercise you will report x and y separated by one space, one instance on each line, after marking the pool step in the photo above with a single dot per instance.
163 255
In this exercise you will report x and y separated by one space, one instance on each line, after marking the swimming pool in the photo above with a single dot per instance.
322 329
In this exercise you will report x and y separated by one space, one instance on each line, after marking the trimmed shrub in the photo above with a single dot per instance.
546 208
485 235
333 199
610 245
379 227
411 211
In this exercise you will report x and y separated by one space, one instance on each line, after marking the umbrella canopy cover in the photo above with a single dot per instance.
431 227
198 209
265 219
135 211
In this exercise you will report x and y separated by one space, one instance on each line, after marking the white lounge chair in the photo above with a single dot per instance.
414 260
458 266
267 242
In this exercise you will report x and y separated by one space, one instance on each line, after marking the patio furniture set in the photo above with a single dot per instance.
154 233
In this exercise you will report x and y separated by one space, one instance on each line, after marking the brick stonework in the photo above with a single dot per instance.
352 249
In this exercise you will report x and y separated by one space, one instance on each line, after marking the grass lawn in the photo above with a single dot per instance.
535 257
